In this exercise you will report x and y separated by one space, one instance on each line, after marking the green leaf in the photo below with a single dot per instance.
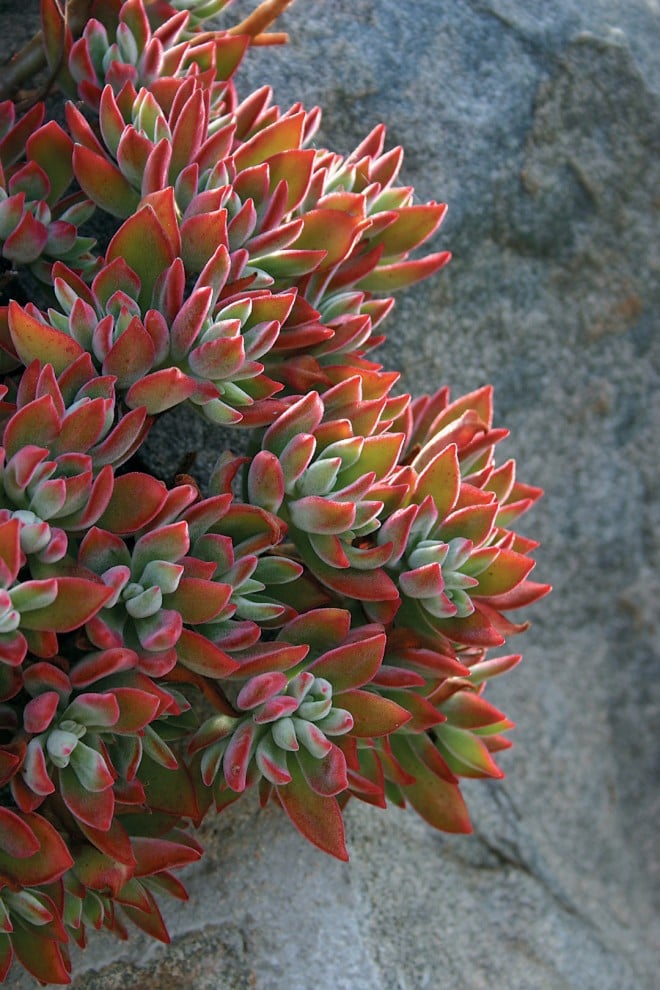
284 134
352 664
103 183
316 816
51 148
438 801
36 340
145 247
372 714
464 754
77 601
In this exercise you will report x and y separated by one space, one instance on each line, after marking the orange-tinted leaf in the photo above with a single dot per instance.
145 247
35 340
372 714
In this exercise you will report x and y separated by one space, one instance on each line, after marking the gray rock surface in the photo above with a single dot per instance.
539 124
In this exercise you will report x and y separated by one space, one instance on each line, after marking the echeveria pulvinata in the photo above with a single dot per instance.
336 617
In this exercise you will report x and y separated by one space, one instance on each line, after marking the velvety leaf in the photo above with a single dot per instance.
438 801
136 498
189 321
523 594
389 278
464 754
10 549
114 843
266 657
507 571
473 630
78 599
201 235
295 168
26 241
325 776
35 340
372 714
371 585
145 247
486 669
14 141
94 666
423 582
90 768
95 809
153 855
423 713
99 872
39 712
413 225
170 791
316 514
44 960
199 655
266 481
441 479
352 664
161 390
83 426
44 866
133 894
152 923
330 230
237 755
302 416
168 543
321 628
271 759
6 955
468 710
260 688
16 838
316 816
281 706
93 709
103 183
198 601
284 134
34 774
51 148
131 356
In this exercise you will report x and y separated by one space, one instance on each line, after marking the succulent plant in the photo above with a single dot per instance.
317 623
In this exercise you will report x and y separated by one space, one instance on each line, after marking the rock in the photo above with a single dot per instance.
539 125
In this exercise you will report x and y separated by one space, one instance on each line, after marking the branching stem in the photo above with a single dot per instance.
31 59
257 23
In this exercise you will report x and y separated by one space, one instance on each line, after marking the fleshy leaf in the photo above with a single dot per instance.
316 816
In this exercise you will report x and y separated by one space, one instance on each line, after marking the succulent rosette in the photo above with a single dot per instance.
325 480
316 622
288 703
457 566
33 858
120 46
38 222
452 730
161 344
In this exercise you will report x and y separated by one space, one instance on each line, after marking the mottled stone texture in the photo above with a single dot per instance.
538 123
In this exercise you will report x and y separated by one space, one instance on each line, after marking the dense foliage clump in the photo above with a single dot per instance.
316 624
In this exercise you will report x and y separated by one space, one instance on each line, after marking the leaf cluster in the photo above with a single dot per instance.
317 624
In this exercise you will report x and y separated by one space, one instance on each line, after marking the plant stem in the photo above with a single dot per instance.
257 23
22 66
31 59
